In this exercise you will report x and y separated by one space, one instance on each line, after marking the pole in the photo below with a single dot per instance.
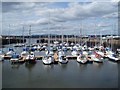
30 38
23 34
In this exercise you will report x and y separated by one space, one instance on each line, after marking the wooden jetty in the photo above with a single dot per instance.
71 57
7 57
41 57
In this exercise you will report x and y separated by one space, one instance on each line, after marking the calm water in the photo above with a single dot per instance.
71 75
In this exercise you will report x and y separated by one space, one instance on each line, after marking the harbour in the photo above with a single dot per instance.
73 74
59 45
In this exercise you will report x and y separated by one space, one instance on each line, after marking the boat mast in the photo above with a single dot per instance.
67 39
48 30
95 35
112 36
80 35
30 38
23 34
62 35
9 36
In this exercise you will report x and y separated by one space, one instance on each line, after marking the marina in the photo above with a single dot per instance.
60 45
40 74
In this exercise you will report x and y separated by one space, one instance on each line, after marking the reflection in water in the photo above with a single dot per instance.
98 65
63 66
48 67
82 66
29 66
15 66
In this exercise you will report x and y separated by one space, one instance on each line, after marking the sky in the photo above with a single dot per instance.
90 17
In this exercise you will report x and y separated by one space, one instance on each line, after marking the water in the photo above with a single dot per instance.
71 75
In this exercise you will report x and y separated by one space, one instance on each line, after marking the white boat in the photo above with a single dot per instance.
19 45
100 53
113 58
24 53
60 53
51 52
96 59
48 60
15 58
10 52
30 57
63 60
108 52
74 53
1 56
81 59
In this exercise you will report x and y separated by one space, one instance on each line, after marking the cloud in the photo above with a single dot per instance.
78 11
111 15
68 14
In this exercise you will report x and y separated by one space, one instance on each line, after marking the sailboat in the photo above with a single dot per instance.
81 59
31 56
96 57
47 60
9 54
74 52
62 58
25 52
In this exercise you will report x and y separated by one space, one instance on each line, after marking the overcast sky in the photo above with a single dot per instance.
91 17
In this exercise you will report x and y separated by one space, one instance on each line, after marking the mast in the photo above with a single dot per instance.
75 38
30 38
67 39
112 36
62 35
80 35
48 30
23 34
9 35
95 35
